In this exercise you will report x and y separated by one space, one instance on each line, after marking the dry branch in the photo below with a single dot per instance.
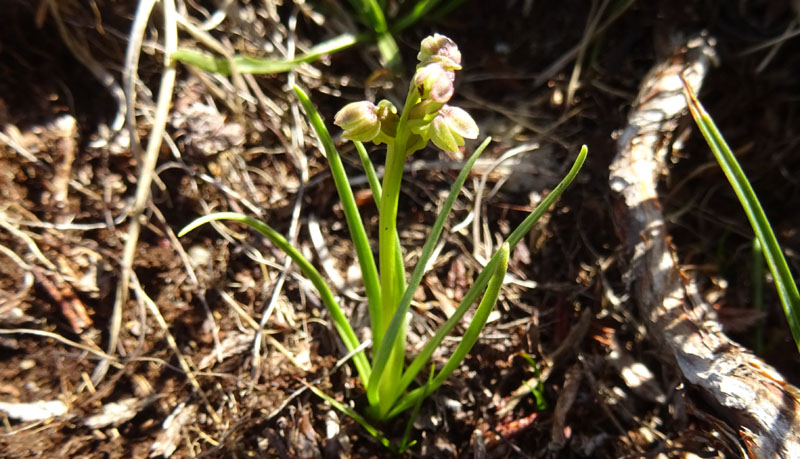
747 393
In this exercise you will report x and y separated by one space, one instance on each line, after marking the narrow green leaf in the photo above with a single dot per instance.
538 389
483 278
390 52
468 339
369 170
757 280
337 316
381 357
421 8
358 235
258 66
371 12
784 282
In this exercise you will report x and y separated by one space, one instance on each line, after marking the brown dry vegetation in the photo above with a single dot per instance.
68 180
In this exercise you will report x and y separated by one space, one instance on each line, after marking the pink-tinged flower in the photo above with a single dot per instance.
359 121
438 48
435 82
450 127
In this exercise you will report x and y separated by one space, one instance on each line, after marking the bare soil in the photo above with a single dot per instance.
68 180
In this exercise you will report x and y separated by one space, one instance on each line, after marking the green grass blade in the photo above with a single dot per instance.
352 414
369 270
370 11
538 390
384 350
784 283
390 52
424 9
483 278
537 213
757 279
421 8
337 316
369 170
469 338
258 66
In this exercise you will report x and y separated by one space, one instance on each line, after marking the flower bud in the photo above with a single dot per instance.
450 127
435 82
387 114
438 48
359 121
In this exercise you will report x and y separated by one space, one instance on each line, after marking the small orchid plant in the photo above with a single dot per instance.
425 117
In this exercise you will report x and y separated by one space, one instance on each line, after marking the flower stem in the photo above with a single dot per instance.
391 272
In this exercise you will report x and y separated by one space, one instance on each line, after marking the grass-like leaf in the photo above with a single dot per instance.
371 12
538 389
468 339
384 350
784 283
424 9
369 170
485 275
405 443
326 295
258 66
358 235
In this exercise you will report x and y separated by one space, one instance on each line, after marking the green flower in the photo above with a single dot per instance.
365 121
359 121
450 127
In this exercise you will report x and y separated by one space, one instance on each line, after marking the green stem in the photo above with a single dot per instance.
382 353
375 186
391 272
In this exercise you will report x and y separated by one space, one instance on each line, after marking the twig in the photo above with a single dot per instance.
130 73
61 339
143 183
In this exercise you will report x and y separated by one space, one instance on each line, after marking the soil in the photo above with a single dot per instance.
68 179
